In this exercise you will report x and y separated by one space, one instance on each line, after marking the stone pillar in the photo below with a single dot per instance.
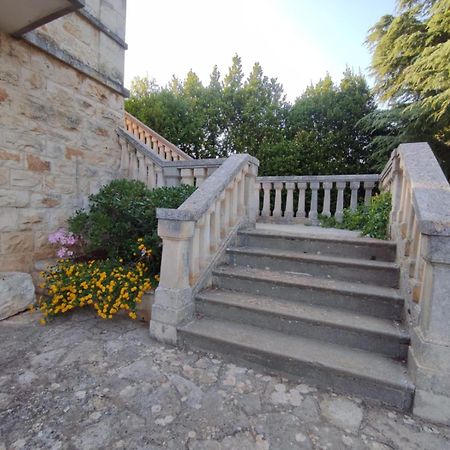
314 185
354 186
429 353
289 211
173 297
251 194
339 214
327 186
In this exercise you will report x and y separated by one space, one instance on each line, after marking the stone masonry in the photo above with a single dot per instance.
57 125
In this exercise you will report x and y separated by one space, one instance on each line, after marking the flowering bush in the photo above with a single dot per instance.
111 254
106 285
67 242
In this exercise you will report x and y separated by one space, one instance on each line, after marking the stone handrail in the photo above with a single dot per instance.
288 211
155 142
195 236
420 224
138 162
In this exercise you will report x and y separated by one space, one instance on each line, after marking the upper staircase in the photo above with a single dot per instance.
324 308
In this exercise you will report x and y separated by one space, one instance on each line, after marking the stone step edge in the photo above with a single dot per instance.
399 381
363 241
309 282
315 258
352 324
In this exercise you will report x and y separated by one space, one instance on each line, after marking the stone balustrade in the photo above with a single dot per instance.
155 142
138 162
195 236
303 198
420 224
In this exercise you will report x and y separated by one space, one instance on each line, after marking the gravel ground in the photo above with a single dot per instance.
85 383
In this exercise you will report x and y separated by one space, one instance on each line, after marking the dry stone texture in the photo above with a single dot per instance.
57 132
82 382
16 293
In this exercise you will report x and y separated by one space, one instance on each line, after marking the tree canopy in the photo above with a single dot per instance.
411 54
319 133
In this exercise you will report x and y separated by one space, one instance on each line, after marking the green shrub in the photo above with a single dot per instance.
372 220
122 212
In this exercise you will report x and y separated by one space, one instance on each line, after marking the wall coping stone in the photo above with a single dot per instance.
48 46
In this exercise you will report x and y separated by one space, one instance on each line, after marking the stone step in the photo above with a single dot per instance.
360 298
363 248
380 273
317 322
345 370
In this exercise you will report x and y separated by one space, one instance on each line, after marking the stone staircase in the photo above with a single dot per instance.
324 309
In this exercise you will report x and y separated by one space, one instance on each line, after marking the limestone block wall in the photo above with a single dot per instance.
57 131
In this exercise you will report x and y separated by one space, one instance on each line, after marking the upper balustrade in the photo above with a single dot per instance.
140 162
303 198
155 142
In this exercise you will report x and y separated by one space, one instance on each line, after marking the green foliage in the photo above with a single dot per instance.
372 220
121 213
320 133
411 53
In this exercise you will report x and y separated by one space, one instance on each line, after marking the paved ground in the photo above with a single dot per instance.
84 383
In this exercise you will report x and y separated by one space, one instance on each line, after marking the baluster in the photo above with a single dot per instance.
151 180
289 210
327 186
187 177
134 166
226 211
314 185
223 215
124 159
234 201
339 214
278 186
195 253
257 200
266 199
368 188
301 211
205 239
241 193
199 174
160 182
142 168
354 186
215 227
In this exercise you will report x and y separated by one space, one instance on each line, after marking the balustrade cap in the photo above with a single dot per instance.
186 164
202 199
318 178
430 188
154 134
140 147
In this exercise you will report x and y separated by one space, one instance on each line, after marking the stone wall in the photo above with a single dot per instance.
57 131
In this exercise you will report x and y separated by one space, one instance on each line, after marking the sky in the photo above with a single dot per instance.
296 41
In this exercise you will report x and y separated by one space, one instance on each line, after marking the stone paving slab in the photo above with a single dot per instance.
85 383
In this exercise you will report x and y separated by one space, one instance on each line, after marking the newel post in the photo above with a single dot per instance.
429 353
173 297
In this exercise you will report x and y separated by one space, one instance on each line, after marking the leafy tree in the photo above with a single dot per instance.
411 54
323 128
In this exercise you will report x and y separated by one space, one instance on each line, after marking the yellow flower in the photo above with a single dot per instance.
42 321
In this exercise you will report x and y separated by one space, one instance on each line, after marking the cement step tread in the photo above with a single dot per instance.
350 240
356 364
315 258
305 281
297 311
